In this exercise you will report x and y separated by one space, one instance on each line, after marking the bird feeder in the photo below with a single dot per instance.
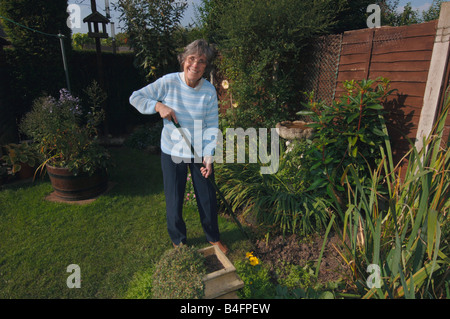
94 20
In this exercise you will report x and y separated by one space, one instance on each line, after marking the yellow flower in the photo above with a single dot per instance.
254 261
235 105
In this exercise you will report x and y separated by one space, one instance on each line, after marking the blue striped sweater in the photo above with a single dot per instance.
194 108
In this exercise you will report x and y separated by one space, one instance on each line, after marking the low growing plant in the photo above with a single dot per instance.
178 274
257 280
141 285
19 154
295 276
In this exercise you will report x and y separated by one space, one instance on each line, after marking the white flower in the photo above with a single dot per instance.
225 84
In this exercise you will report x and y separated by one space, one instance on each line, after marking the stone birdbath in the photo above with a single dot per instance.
294 130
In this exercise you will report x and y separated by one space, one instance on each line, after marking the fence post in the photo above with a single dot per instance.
436 76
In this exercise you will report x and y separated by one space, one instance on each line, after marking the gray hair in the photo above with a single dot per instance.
199 47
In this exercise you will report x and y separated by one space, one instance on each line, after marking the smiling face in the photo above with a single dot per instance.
194 67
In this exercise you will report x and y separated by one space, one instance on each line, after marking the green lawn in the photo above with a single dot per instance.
111 239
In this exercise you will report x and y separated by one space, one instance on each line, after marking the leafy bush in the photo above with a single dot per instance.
18 154
347 132
178 274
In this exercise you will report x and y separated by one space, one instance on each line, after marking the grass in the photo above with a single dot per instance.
121 234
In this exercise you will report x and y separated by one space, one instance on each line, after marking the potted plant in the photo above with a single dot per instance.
22 158
67 137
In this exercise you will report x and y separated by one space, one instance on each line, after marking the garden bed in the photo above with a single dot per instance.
304 251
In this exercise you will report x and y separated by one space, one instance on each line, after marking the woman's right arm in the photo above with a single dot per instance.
147 100
165 112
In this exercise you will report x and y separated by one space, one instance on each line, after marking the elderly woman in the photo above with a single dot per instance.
189 100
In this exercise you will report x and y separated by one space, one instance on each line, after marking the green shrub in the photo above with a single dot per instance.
257 281
178 274
349 131
141 285
294 276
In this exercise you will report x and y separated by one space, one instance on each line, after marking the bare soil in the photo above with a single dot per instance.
213 263
302 251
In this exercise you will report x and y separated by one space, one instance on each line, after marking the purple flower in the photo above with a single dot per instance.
66 97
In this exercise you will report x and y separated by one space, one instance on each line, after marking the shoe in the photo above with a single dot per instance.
221 246
177 246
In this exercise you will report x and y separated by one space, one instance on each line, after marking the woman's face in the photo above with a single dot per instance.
194 67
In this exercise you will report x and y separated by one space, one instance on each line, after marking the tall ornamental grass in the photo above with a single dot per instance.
403 232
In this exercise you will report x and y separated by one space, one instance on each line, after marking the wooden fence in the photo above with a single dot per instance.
401 54
404 55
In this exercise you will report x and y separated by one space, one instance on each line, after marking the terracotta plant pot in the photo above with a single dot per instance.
224 282
83 186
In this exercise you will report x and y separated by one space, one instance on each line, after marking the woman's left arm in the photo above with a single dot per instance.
212 126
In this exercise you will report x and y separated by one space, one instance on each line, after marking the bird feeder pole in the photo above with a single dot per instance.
63 52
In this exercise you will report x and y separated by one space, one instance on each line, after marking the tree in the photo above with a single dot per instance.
47 16
350 15
80 40
263 45
207 17
35 64
390 15
408 16
433 12
150 25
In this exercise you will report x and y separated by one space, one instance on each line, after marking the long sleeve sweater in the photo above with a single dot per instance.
196 110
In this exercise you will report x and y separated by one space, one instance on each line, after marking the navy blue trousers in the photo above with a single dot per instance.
175 176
